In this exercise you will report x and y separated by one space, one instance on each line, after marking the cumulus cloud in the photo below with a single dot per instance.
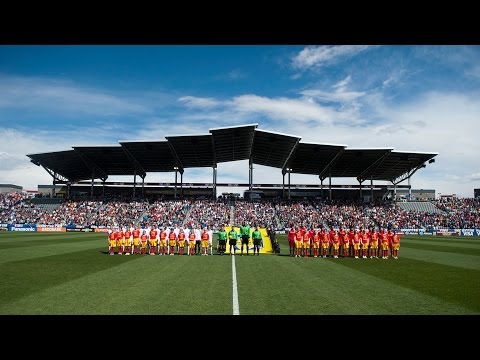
315 56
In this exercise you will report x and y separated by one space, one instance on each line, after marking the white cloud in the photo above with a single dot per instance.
198 102
475 176
68 98
312 56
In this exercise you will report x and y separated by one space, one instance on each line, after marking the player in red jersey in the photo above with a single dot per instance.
356 243
324 241
120 238
291 240
343 239
331 234
298 242
205 241
316 244
311 234
395 244
181 241
143 240
351 236
191 243
390 240
335 238
112 242
384 244
136 241
365 241
172 241
153 241
373 242
128 241
306 244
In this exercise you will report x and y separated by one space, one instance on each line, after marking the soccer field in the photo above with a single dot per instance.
63 273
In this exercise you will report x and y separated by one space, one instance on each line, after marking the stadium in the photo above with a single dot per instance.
317 241
309 180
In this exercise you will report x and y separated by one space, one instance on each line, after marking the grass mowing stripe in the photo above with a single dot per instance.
444 239
463 261
454 285
163 285
49 241
9 255
284 285
33 275
470 245
443 248
236 308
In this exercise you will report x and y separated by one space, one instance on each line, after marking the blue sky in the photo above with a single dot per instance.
414 98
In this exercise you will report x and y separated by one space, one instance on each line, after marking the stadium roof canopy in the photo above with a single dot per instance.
244 142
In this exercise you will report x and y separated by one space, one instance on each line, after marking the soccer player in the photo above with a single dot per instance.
232 240
172 241
395 244
153 241
257 240
357 239
298 242
384 243
222 240
128 241
136 241
120 238
291 240
144 239
210 239
181 241
351 236
205 242
163 241
345 242
336 243
191 243
373 243
365 236
112 241
306 244
316 244
198 239
324 241
331 234
343 238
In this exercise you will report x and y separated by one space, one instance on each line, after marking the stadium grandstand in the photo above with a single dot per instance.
77 198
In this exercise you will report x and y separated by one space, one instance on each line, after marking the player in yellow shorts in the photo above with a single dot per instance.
373 243
136 241
112 242
120 239
306 244
205 242
181 241
395 244
144 239
298 242
172 241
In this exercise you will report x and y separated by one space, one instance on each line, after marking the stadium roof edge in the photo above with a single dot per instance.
97 146
186 135
139 141
372 148
232 127
277 133
325 144
415 152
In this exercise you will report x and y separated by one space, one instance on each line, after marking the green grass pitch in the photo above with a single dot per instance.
63 273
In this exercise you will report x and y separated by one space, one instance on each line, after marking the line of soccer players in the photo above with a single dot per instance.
161 241
353 243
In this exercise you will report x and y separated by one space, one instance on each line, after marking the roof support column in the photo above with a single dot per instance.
175 190
68 190
409 190
214 190
103 188
181 185
91 189
283 187
134 181
250 174
53 188
330 186
371 191
321 188
289 172
360 190
143 187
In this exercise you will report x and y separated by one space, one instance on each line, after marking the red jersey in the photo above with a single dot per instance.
144 237
136 234
205 236
128 234
299 236
181 236
306 237
163 235
291 234
112 236
153 234
191 237
120 235
172 236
